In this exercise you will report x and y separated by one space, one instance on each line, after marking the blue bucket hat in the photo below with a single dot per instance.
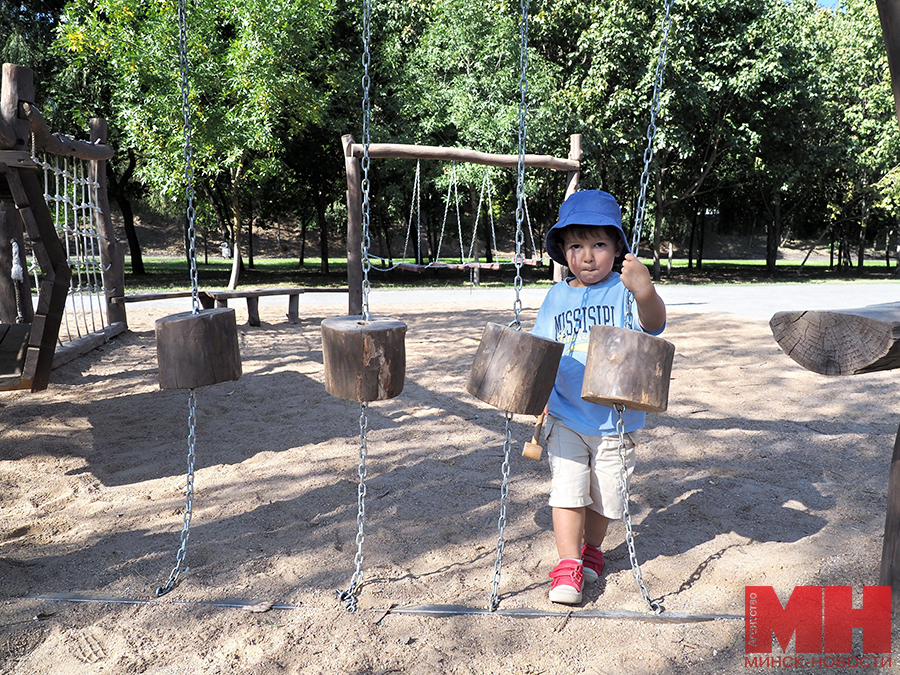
587 207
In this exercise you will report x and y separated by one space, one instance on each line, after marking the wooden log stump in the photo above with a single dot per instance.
195 350
841 342
364 360
628 367
514 370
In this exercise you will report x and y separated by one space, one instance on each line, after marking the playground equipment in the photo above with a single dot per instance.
77 262
195 348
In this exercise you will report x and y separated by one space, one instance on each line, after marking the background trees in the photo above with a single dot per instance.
776 116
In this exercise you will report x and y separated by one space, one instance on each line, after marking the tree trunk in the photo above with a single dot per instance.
773 235
250 236
861 251
702 239
323 232
118 190
657 225
235 229
302 242
691 239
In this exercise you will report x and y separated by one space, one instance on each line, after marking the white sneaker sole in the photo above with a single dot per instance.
566 595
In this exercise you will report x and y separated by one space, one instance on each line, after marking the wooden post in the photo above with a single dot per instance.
572 177
889 574
889 15
111 253
354 227
11 231
18 86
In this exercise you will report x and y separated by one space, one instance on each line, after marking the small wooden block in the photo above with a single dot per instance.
364 360
628 367
195 350
532 451
514 370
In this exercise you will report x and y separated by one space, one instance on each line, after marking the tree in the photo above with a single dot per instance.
249 81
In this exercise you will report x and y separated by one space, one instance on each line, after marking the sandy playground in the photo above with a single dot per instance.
760 473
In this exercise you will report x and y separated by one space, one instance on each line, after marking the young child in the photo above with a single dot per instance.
582 441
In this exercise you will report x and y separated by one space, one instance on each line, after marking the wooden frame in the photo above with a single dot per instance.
353 151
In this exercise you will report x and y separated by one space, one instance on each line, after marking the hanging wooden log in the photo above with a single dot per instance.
841 342
364 360
628 367
195 350
514 370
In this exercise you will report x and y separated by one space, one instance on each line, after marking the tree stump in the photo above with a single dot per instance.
195 350
628 367
841 342
514 370
364 360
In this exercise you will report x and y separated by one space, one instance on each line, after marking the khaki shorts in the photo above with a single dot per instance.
586 470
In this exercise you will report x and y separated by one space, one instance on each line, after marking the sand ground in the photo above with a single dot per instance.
759 473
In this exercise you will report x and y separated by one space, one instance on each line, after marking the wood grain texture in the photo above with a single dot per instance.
628 367
841 342
514 370
364 360
196 350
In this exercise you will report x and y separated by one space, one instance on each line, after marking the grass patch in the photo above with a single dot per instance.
172 274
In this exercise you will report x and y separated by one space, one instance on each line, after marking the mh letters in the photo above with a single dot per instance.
821 617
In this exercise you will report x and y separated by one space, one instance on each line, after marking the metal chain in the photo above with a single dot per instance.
640 211
501 522
17 274
366 139
192 256
517 305
349 596
176 574
188 152
520 174
654 606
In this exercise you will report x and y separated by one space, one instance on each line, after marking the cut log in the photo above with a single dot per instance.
364 360
841 342
628 367
514 370
196 350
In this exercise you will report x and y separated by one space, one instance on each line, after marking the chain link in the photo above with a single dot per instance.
654 606
350 596
188 153
366 139
176 574
520 174
640 211
501 522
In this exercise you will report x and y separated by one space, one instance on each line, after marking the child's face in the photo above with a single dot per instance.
591 256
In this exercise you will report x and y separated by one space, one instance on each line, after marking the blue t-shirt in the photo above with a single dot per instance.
566 315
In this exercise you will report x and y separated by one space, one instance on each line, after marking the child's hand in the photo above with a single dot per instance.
635 276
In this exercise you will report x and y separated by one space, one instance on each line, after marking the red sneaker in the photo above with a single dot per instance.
593 562
568 577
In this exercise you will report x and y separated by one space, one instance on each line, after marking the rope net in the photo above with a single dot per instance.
72 197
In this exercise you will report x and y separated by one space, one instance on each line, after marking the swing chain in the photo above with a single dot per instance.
640 211
366 139
520 177
188 153
654 606
349 596
175 575
501 522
